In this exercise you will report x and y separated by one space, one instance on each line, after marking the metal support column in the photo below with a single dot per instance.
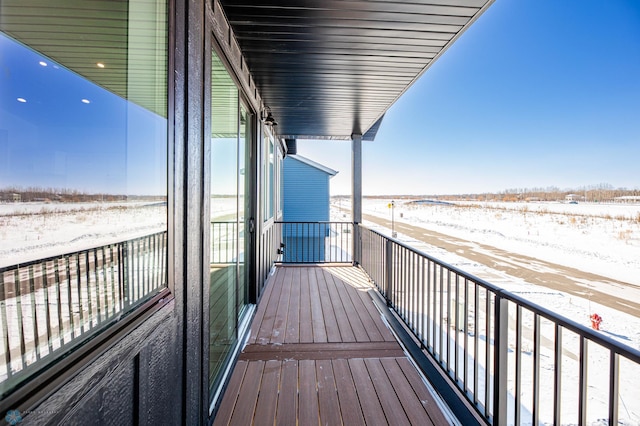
356 194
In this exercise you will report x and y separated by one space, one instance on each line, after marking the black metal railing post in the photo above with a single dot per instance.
388 267
500 364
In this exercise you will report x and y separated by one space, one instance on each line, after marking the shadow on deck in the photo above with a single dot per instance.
320 353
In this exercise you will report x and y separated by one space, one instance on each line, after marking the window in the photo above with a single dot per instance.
83 172
269 164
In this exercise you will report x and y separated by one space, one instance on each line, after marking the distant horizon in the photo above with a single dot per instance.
600 188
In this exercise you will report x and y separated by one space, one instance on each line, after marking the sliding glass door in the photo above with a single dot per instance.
230 210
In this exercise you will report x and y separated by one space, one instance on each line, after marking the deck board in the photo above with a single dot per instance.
308 394
292 333
351 411
317 318
288 394
268 394
305 333
320 353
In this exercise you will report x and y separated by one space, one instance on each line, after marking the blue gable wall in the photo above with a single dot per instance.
306 199
306 192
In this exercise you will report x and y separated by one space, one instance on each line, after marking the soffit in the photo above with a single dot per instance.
127 37
330 68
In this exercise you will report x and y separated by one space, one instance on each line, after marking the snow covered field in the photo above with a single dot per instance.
30 231
583 236
600 238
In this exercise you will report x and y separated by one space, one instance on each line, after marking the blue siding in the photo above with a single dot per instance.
306 199
306 192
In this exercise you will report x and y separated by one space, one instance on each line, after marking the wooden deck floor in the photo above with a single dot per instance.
319 353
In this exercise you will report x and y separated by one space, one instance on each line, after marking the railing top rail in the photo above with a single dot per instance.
324 222
72 253
605 341
452 268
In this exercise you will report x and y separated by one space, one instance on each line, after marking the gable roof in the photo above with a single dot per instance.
312 163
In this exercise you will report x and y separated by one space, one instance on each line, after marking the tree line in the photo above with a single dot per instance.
593 193
36 194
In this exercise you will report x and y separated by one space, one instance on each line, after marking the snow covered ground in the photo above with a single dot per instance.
598 238
583 236
31 231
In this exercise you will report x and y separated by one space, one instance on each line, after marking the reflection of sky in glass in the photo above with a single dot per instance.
224 166
59 130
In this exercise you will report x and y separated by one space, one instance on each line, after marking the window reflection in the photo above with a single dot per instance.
229 209
83 172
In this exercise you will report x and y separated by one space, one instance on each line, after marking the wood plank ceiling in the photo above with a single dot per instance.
331 68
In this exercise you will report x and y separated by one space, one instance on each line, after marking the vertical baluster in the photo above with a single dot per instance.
557 376
34 312
79 288
148 271
518 366
614 386
145 285
164 266
122 276
414 296
136 258
456 328
160 249
151 262
412 290
402 283
441 314
434 317
5 327
97 269
18 294
487 349
422 300
583 382
536 369
69 288
500 363
45 286
448 324
476 340
465 373
87 274
155 253
56 279
406 281
429 322
113 264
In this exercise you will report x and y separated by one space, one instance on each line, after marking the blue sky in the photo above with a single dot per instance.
59 130
536 93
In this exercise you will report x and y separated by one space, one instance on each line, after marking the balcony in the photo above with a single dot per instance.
319 351
318 345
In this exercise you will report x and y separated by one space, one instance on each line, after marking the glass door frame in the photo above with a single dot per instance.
249 205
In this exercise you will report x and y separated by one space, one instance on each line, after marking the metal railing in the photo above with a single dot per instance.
514 361
224 242
317 242
51 305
